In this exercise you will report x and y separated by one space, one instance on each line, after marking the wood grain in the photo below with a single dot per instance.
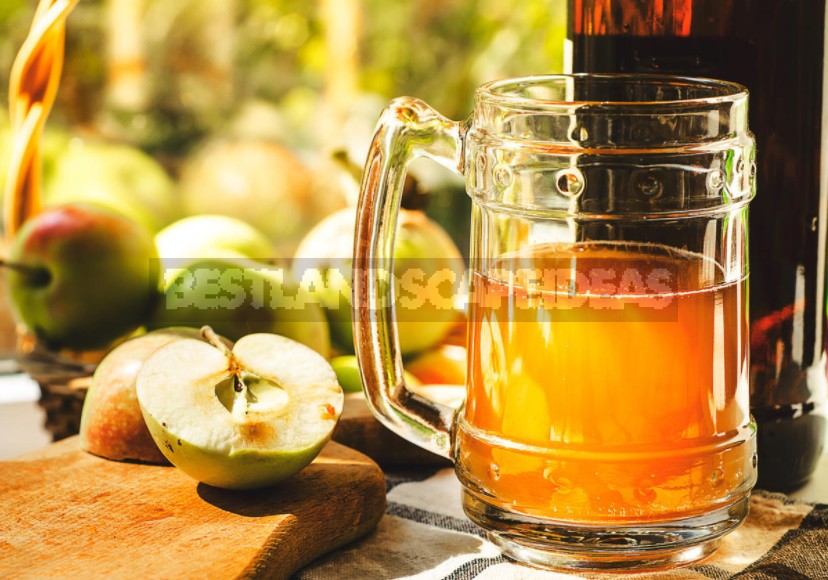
66 513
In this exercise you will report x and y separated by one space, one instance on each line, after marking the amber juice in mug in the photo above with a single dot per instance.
606 383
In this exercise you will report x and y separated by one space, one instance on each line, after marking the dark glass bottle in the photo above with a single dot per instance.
776 48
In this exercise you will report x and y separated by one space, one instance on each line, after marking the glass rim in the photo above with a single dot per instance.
493 91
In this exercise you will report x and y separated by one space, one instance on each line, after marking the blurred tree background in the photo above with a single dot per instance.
170 78
164 74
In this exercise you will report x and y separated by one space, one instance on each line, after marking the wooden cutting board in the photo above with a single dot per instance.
66 513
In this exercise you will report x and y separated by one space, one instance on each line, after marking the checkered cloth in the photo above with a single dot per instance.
425 534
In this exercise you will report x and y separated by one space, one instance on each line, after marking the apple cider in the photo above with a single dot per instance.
607 382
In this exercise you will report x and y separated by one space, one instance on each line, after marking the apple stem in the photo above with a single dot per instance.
38 274
210 336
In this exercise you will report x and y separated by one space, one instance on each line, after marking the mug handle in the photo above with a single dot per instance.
407 129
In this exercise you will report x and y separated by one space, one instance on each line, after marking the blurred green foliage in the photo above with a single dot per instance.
440 50
15 20
279 47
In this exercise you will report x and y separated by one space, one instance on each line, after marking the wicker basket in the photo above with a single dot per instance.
64 379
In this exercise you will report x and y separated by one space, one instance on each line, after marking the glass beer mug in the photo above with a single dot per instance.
606 420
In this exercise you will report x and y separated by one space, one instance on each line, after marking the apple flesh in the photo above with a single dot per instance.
111 422
81 276
239 419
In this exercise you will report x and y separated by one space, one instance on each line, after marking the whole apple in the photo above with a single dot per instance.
428 266
211 236
116 176
259 182
81 276
238 296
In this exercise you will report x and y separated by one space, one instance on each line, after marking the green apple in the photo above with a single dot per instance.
258 182
346 368
429 268
82 276
239 419
111 422
238 296
212 236
116 176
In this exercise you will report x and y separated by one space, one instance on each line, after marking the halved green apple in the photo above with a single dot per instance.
239 419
